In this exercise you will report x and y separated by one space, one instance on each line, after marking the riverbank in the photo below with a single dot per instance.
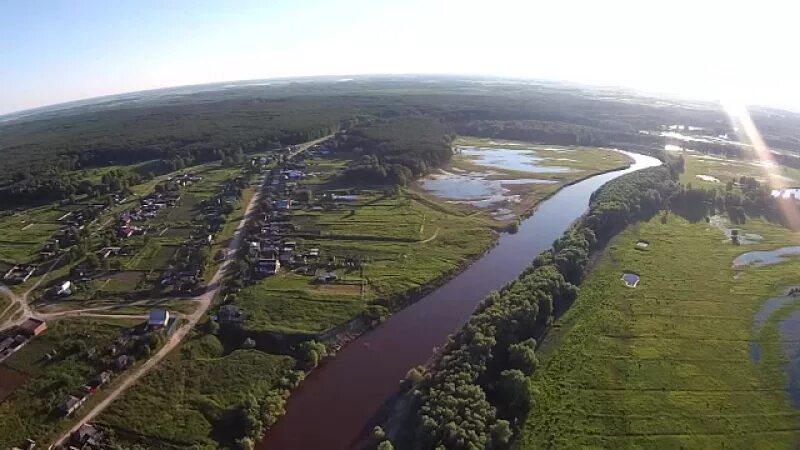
383 355
672 354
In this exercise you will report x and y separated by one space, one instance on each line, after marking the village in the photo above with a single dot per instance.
95 245
308 244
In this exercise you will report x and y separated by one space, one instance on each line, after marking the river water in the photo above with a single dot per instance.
332 408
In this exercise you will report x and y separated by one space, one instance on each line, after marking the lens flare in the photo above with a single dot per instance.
746 129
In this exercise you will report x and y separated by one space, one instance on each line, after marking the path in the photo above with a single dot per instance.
22 300
434 236
205 302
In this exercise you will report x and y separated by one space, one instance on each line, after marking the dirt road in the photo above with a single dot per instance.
204 303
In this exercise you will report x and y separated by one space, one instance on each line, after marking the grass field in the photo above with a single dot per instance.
404 240
23 234
667 364
30 411
191 398
699 166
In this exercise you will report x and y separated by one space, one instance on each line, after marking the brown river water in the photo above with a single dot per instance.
336 405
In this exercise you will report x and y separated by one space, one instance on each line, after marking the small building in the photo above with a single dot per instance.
122 361
33 327
286 258
230 314
158 318
283 204
87 436
19 273
64 289
71 404
268 266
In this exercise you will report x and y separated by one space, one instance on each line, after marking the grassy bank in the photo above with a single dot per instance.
198 392
666 364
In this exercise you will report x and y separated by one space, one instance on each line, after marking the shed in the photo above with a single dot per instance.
33 327
158 318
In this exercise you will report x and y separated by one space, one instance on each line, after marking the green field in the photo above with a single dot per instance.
192 399
724 170
404 241
30 411
667 364
23 234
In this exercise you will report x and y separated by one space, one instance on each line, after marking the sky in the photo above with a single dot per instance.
52 51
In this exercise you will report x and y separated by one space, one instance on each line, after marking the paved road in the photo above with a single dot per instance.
204 303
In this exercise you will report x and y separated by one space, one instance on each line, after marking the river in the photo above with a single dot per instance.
333 407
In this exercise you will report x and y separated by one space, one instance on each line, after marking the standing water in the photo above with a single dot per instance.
332 407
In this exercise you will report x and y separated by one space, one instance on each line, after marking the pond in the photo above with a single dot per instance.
789 329
631 279
475 188
766 257
760 319
510 159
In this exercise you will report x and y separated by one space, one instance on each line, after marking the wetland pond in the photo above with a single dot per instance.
766 257
494 175
789 338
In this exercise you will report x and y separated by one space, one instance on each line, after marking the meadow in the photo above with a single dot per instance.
192 400
667 364
403 240
699 167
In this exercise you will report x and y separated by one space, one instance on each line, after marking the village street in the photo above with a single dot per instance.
204 302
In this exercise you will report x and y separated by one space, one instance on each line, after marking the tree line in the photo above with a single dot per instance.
395 151
476 394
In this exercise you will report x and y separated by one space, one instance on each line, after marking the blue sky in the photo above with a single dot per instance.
54 51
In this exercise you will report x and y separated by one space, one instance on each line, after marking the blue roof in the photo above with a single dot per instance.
158 316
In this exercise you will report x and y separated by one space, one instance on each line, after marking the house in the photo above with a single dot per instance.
71 404
64 289
33 327
105 252
327 277
122 361
158 318
19 273
286 258
125 231
86 436
267 266
98 381
230 314
283 204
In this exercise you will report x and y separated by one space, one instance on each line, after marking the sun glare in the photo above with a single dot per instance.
746 129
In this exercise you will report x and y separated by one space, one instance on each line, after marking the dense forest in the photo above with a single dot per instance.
395 150
184 126
476 394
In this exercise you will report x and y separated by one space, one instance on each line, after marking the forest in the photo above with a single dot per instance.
395 150
388 116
